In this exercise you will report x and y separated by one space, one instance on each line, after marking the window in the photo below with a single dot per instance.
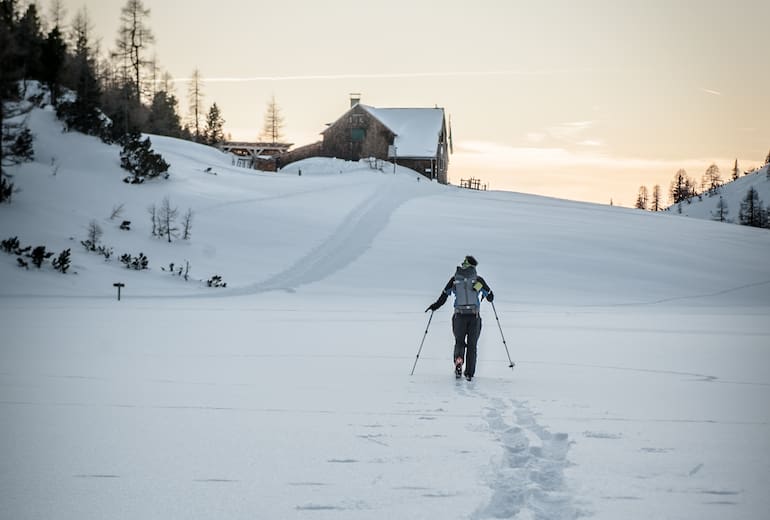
357 134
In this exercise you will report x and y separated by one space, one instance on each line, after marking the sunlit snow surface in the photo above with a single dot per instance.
641 344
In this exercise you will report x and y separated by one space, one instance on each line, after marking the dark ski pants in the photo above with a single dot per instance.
467 329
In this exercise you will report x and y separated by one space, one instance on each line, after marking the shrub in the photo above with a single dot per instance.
216 281
138 158
138 263
39 254
6 189
11 245
62 262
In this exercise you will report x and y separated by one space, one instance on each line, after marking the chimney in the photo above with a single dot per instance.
355 98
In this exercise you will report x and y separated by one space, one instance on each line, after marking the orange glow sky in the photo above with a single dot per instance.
577 99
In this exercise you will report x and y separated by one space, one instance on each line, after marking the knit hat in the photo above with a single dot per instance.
470 261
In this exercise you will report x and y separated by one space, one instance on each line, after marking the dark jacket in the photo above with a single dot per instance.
482 288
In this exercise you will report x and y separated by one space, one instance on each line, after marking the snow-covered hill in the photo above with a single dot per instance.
732 193
640 340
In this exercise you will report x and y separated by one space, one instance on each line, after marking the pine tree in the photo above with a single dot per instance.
29 41
215 133
53 56
134 38
10 69
83 114
62 262
163 118
22 146
682 187
195 104
720 214
641 199
712 179
272 129
736 173
123 86
656 198
138 158
16 143
39 254
752 212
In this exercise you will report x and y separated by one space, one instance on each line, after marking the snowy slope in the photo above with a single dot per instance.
733 193
641 342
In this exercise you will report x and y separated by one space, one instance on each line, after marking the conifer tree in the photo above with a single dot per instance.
83 114
712 179
53 56
641 199
215 133
273 127
682 187
656 198
163 117
195 104
752 211
29 42
134 37
720 214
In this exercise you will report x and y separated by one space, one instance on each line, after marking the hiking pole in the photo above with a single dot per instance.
512 364
423 341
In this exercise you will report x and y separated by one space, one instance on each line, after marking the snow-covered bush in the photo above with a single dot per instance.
138 158
39 255
216 281
62 262
11 245
138 262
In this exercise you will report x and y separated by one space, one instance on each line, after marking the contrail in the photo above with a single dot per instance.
712 92
384 75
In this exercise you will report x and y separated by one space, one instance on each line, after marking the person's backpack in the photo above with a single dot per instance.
466 290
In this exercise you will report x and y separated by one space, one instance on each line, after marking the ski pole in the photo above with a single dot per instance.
512 364
423 341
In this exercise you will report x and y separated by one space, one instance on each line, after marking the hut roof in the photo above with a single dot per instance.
417 130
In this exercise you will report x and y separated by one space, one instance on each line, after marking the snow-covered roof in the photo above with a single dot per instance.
417 130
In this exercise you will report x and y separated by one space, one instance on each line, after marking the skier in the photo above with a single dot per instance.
469 288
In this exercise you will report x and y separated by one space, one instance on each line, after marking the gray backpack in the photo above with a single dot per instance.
466 294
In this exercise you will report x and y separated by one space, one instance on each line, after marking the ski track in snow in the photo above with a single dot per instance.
343 245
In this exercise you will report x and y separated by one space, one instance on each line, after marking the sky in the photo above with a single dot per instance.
580 100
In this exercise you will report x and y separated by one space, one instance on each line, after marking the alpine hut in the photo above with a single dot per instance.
412 137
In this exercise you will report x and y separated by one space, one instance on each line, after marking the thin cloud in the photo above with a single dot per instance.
569 131
710 91
533 158
385 75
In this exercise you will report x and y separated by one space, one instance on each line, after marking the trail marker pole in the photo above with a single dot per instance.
118 285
